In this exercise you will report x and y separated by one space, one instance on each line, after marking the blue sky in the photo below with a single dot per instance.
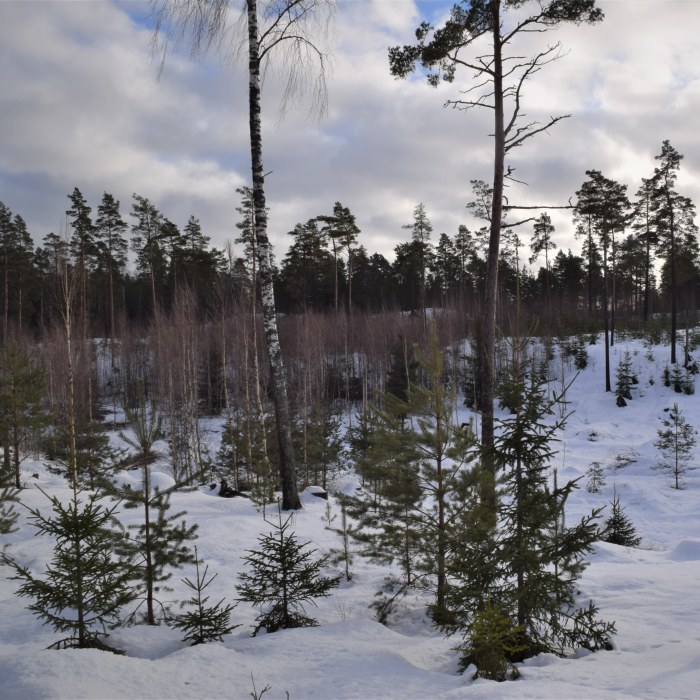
82 106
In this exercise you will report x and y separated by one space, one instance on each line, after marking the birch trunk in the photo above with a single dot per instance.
290 495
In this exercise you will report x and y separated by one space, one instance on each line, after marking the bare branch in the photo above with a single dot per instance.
539 206
284 17
293 26
468 104
509 176
531 67
518 141
518 223
479 68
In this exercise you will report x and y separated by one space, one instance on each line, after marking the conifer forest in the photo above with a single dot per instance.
350 458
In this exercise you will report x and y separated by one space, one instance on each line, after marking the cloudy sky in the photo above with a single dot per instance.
82 106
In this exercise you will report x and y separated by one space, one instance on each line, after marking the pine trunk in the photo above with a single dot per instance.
6 295
606 317
647 266
491 292
590 268
674 305
112 330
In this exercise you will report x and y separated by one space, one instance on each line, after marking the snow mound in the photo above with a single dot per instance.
161 481
134 480
123 479
609 553
312 494
686 550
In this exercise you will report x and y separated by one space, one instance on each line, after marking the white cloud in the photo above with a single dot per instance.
82 106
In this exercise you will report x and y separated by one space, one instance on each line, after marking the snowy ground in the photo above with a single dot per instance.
652 593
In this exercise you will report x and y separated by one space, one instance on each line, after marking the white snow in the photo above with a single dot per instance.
652 593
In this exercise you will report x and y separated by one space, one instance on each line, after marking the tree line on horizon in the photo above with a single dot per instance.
625 243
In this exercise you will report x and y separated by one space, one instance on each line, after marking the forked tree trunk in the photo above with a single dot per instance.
290 495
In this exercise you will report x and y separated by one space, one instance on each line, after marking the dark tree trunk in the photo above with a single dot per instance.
148 545
6 295
606 316
647 269
674 301
491 291
613 298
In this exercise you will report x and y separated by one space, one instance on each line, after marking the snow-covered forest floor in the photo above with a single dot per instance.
651 592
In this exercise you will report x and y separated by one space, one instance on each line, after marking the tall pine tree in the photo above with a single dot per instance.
82 247
673 215
111 251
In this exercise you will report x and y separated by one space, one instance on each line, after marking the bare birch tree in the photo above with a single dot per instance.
293 29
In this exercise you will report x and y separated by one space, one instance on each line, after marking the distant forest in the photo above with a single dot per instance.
327 269
184 332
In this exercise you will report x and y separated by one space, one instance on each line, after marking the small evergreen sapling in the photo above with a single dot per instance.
203 623
580 353
626 379
682 380
318 436
284 577
260 444
95 459
403 369
490 644
416 451
676 442
160 544
384 509
343 554
8 512
229 463
596 478
244 459
525 562
22 415
689 383
88 582
618 528
160 541
666 376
